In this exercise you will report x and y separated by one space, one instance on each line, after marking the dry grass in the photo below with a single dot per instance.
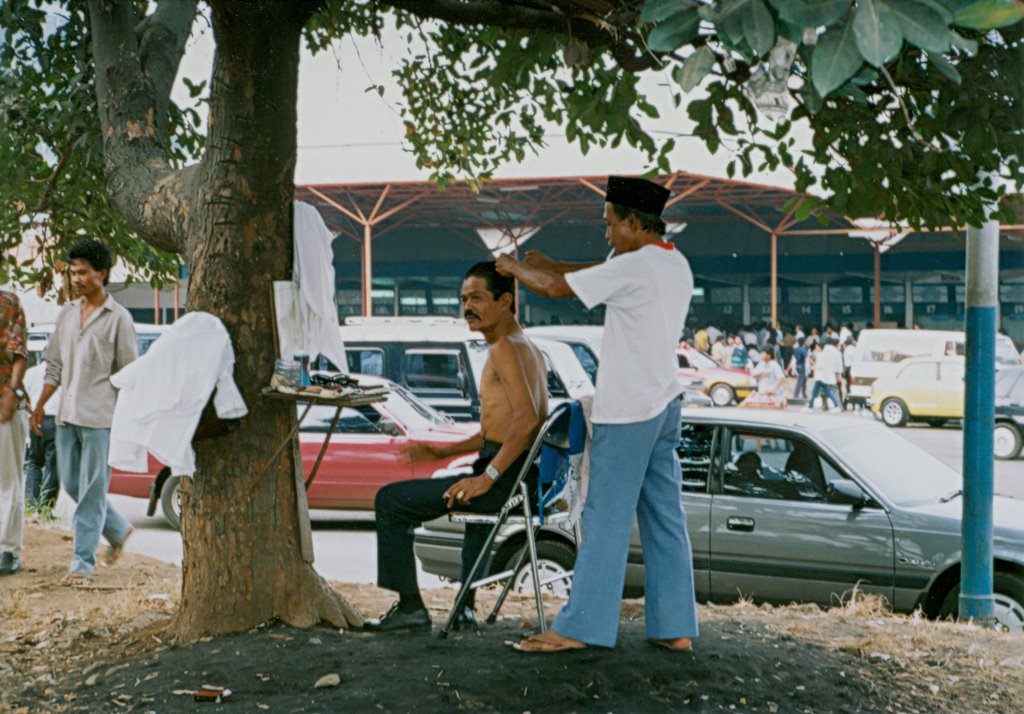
47 628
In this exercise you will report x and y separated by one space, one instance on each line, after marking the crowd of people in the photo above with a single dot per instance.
773 352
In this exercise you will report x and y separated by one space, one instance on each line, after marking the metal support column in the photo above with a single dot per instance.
908 305
775 281
367 270
976 601
878 286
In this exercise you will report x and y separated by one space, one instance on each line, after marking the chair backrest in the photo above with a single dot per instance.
565 436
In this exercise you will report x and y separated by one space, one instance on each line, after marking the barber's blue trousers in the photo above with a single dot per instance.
634 471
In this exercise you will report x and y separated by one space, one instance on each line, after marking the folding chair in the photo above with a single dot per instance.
562 434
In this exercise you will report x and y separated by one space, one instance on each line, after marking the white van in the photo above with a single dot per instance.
879 353
441 361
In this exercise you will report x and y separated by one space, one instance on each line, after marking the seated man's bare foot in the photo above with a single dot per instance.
676 644
549 641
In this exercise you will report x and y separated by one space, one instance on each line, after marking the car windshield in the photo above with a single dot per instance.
700 360
1005 379
1006 353
901 471
478 350
412 411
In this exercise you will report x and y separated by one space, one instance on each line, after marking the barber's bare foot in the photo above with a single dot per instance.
677 644
549 641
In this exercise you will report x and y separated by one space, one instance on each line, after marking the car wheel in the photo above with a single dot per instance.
894 412
721 395
937 423
554 559
170 502
1008 594
1007 441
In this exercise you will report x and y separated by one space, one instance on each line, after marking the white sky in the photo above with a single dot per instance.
349 135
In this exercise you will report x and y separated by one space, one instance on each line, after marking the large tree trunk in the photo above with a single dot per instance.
231 216
243 563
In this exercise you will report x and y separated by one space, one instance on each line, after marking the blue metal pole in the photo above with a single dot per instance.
976 601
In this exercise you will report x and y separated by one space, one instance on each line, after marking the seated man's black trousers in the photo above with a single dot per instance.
402 506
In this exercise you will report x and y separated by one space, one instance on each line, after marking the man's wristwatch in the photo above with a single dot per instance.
19 392
492 473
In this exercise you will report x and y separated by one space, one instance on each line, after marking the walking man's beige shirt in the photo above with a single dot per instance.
81 359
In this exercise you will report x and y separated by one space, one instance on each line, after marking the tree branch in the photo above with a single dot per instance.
162 38
140 180
613 31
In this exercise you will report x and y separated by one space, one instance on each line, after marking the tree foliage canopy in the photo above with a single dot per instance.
907 100
51 151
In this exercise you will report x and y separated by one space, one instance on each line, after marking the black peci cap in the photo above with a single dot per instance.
640 194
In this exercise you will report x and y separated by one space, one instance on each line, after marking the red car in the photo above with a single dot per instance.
364 454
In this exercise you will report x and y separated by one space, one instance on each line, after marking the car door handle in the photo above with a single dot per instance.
736 523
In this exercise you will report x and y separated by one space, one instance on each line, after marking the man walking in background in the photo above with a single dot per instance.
13 430
93 338
828 371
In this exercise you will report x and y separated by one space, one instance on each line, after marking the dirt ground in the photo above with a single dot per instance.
103 648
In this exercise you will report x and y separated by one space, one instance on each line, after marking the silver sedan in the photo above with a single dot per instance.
794 507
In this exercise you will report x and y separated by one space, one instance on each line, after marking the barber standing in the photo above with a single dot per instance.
634 469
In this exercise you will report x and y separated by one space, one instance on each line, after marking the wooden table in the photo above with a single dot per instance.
302 484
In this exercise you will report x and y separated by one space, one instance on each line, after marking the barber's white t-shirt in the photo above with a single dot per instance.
646 294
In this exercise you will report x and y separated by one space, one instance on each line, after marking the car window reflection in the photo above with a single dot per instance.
770 466
695 449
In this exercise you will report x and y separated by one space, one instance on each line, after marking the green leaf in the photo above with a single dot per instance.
803 211
939 8
730 22
964 43
759 27
695 68
674 32
812 100
989 14
812 13
658 10
921 26
945 66
878 35
835 59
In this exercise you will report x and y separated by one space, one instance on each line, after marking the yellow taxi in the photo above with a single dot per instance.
928 389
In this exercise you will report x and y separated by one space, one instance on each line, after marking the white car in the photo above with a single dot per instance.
441 361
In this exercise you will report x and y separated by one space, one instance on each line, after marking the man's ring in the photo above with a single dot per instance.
459 495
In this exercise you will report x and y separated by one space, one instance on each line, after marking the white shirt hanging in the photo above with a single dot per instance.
313 272
162 395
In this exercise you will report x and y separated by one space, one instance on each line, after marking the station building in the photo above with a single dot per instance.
402 248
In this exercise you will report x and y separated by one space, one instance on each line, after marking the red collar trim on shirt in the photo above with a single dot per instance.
664 244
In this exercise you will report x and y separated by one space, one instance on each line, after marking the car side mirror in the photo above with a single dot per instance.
848 492
463 382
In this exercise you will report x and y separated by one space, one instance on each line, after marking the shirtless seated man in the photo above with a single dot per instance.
513 403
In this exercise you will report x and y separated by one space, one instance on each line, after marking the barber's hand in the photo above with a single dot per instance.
8 404
464 491
506 264
415 453
536 259
35 421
